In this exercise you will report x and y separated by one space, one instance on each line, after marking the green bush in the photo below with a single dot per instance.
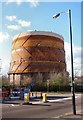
79 88
52 88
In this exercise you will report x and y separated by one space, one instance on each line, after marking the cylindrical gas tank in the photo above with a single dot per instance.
37 51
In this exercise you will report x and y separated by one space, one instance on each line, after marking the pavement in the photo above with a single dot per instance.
79 115
76 117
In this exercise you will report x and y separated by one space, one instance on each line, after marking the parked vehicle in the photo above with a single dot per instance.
15 94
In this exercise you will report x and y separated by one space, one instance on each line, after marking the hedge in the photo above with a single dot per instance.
53 88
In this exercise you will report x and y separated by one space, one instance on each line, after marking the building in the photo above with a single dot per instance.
35 55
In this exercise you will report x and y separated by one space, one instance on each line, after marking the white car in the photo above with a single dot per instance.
14 95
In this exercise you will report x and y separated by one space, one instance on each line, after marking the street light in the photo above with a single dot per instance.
47 85
73 83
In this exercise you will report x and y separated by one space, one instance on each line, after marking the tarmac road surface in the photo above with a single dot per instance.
51 109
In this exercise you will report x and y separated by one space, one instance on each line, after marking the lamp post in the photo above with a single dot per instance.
73 83
47 85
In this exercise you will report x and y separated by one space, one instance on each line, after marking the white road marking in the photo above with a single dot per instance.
14 105
60 99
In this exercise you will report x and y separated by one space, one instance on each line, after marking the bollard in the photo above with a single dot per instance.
29 96
44 97
26 97
41 94
36 94
32 93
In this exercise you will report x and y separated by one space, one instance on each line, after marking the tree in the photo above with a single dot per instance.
79 80
5 80
59 79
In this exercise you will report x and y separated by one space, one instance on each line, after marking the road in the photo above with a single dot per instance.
41 110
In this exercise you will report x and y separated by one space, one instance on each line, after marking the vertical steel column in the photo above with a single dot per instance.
73 83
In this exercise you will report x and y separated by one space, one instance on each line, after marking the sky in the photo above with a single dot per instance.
18 16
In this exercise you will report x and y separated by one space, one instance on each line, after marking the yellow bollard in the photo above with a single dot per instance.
26 97
44 97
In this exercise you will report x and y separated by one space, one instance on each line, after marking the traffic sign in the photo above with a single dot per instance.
32 84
